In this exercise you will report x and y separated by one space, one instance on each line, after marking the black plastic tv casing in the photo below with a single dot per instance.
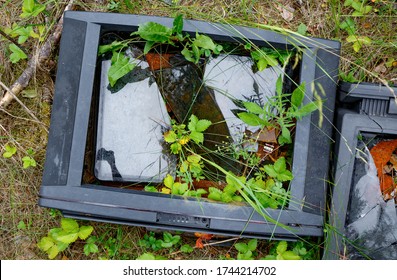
62 186
364 108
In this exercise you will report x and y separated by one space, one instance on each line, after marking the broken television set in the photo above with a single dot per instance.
128 172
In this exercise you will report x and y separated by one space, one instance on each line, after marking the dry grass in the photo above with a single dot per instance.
19 187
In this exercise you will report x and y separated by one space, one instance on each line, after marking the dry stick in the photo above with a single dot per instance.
23 105
43 54
210 244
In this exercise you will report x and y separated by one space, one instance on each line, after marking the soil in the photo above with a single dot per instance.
158 61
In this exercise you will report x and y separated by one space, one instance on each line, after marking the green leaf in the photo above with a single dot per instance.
184 166
298 94
148 46
269 169
218 49
30 152
53 252
186 248
188 55
280 165
365 40
272 59
166 244
252 244
69 225
167 237
289 255
367 9
200 192
10 151
203 41
215 194
241 247
251 119
256 55
226 197
146 257
90 248
245 256
21 225
194 158
170 136
67 237
176 148
150 189
306 110
177 25
270 258
196 53
284 176
265 58
45 243
253 108
28 162
197 137
349 26
113 47
120 66
202 125
54 232
17 54
85 232
193 120
230 189
281 247
7 155
348 3
356 5
302 29
28 5
129 4
24 33
351 38
30 8
179 188
169 181
155 32
61 246
279 85
358 41
262 64
356 46
175 239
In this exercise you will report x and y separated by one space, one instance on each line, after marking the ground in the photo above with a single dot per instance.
369 54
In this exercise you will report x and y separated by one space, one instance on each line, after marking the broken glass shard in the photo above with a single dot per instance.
371 225
131 123
234 82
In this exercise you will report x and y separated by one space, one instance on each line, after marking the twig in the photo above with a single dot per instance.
12 40
16 117
43 54
23 105
210 244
